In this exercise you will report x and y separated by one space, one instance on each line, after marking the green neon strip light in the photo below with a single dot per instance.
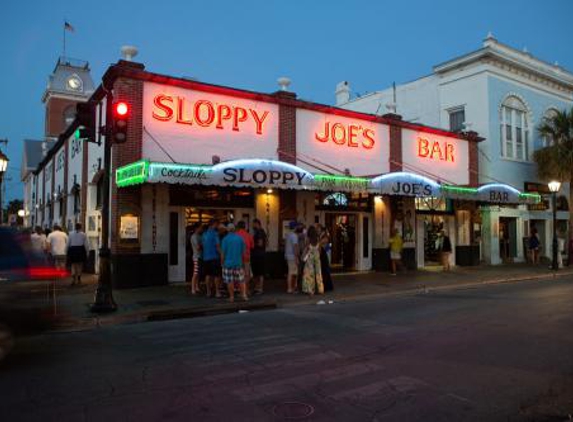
341 178
534 196
203 167
132 174
459 189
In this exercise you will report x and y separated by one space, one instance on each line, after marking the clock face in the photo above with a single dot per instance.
74 83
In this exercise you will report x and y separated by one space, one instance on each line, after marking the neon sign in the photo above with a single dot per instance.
205 113
436 150
351 135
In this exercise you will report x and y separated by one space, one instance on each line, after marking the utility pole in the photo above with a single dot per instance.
3 166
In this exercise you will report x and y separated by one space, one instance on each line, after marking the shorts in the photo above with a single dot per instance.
197 264
212 268
258 265
233 275
292 267
395 256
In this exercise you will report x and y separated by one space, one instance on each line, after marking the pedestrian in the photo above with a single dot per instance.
302 243
77 253
232 253
292 257
312 272
57 242
560 248
325 262
212 259
445 250
533 245
197 248
38 239
260 241
396 246
249 245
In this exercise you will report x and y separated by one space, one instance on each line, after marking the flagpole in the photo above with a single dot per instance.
64 53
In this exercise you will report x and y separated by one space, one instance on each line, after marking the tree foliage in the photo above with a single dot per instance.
556 160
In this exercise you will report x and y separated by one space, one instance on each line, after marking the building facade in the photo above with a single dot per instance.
50 185
503 94
196 151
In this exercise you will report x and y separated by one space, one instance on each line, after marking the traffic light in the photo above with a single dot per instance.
121 113
86 117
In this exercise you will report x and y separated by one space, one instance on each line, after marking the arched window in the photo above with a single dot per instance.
550 113
514 129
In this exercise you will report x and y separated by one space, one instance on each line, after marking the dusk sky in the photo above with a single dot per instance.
249 44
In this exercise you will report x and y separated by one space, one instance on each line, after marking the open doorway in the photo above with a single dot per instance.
342 228
507 238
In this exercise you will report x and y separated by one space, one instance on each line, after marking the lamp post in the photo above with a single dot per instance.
3 165
554 187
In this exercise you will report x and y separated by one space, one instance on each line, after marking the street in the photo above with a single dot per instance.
489 353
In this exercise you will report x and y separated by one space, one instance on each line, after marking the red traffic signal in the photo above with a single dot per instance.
121 111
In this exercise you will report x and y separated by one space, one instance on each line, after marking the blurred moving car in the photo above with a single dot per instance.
25 276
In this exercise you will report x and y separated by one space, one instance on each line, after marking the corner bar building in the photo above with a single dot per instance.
195 151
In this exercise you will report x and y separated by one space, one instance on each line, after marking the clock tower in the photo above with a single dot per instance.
70 83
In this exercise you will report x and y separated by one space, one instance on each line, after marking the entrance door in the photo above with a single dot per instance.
176 256
342 228
507 238
364 243
429 227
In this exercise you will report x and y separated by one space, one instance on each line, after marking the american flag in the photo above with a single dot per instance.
68 27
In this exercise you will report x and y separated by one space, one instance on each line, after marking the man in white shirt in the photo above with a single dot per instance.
77 253
38 239
58 246
292 257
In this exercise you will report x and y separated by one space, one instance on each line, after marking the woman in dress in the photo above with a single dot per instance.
325 262
312 274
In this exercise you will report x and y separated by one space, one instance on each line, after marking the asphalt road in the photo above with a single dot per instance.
501 352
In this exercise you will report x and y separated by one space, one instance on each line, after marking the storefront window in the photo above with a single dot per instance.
198 196
347 201
336 199
432 204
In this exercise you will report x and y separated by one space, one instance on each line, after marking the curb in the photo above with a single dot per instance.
209 310
85 324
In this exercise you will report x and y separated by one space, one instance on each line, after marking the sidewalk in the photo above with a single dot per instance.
167 302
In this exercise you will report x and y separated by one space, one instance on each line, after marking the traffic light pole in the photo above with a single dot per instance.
103 300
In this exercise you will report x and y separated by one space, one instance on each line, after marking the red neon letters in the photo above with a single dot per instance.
351 135
434 150
205 113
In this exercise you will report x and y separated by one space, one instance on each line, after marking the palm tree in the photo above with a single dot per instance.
555 161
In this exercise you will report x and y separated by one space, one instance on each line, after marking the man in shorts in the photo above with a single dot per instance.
396 246
212 258
249 244
232 250
292 257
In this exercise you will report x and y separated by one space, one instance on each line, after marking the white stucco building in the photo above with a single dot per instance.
503 94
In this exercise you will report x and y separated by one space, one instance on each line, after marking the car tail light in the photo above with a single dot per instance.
47 273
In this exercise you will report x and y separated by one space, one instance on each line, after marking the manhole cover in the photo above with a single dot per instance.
293 410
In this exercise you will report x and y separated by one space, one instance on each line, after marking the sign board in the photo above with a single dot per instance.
323 139
405 184
444 158
541 188
193 126
129 227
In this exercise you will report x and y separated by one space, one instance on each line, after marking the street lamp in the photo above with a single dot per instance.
554 187
3 165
